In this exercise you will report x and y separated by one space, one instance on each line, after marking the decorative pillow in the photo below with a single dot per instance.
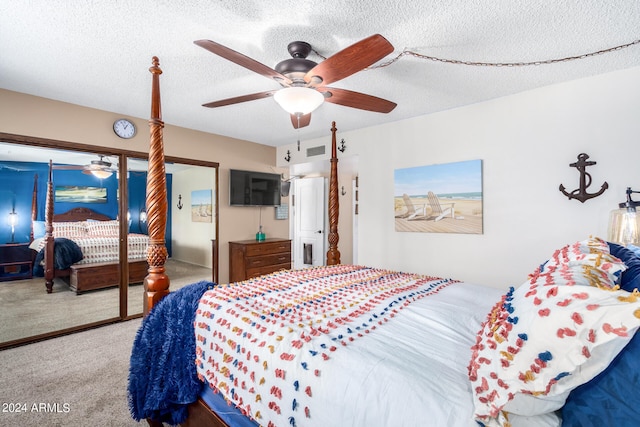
103 228
38 229
630 278
70 230
610 398
590 258
547 337
528 405
37 244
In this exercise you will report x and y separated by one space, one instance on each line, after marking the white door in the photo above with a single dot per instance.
354 213
309 213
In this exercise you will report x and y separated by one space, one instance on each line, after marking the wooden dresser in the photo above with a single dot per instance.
250 258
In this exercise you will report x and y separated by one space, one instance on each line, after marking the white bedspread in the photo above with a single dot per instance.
407 367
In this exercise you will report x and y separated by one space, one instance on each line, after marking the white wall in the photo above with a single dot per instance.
526 142
191 241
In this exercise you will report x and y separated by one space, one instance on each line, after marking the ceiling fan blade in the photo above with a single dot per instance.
243 60
239 99
67 167
304 121
362 101
349 60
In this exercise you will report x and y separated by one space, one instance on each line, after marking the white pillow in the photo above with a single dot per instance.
103 228
69 230
549 336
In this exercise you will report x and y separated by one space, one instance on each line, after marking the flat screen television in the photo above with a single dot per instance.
248 188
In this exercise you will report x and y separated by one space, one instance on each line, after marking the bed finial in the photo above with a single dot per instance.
49 241
155 91
333 254
156 284
34 205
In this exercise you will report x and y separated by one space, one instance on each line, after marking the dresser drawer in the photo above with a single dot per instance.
268 248
255 272
261 261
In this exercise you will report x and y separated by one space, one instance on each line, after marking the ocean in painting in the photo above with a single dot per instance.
80 194
472 195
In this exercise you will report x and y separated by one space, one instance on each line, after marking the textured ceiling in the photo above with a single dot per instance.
97 54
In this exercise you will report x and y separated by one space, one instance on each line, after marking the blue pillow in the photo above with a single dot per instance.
610 398
38 229
630 279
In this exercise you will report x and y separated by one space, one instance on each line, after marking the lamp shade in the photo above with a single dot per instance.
624 224
13 218
298 100
100 173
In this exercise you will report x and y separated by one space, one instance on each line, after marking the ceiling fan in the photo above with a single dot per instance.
99 168
303 81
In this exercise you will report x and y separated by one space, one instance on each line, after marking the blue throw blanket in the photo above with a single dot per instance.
65 253
162 374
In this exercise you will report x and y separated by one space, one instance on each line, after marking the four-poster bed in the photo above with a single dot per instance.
82 246
353 345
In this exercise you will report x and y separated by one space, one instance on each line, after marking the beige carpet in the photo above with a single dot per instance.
75 380
27 310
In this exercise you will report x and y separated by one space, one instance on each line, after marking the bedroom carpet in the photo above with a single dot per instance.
75 380
27 310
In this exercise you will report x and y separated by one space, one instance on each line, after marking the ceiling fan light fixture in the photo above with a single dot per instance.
98 168
298 100
101 173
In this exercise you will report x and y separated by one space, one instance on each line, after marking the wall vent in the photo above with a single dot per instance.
315 151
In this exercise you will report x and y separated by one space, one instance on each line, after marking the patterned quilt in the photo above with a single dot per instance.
271 345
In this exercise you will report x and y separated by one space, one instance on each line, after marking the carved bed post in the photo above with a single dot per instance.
48 233
156 284
333 254
34 205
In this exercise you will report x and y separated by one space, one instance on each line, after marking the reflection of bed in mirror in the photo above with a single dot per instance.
82 246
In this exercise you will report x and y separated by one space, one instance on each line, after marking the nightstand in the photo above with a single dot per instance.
16 261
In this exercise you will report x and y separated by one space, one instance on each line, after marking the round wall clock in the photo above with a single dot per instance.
124 128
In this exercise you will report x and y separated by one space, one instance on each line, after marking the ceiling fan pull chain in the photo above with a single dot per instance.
298 115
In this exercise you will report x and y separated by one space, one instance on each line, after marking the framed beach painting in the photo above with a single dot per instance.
80 194
201 206
442 198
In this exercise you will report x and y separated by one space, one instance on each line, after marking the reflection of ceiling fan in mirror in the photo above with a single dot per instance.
303 81
99 168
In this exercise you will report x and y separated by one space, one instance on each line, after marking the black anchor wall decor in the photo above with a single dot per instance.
581 193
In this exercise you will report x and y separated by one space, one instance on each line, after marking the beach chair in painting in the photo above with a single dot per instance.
412 211
439 210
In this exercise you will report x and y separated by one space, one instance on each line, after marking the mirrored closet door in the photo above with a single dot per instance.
192 222
37 296
96 196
